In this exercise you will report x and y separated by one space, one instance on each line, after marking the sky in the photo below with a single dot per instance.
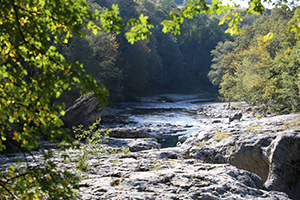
244 3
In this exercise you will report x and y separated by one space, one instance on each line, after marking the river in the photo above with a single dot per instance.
168 120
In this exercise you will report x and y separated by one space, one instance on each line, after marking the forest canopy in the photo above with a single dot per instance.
259 72
43 41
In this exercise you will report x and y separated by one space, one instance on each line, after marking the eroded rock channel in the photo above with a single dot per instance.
254 157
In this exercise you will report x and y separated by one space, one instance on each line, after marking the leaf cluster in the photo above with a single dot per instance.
33 73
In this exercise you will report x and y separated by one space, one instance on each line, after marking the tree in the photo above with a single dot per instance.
135 66
217 70
275 23
168 5
98 54
255 74
258 71
172 72
230 81
32 74
199 36
285 79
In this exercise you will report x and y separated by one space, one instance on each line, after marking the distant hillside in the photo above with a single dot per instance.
179 2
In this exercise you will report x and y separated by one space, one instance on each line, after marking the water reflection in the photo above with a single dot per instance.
169 141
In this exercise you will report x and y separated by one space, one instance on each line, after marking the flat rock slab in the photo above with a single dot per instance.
149 175
128 133
160 174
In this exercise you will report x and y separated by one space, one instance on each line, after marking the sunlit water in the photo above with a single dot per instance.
181 114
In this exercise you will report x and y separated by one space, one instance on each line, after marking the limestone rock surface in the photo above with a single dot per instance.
164 174
85 111
261 145
128 133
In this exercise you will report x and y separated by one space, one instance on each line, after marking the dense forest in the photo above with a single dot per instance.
243 67
164 63
259 72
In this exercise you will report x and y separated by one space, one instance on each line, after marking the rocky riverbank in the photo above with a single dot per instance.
259 142
254 157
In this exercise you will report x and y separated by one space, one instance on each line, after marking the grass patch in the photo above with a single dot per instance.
293 124
200 144
219 135
253 129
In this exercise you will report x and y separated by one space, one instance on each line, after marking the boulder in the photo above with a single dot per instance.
198 138
207 155
133 144
261 145
182 138
128 133
236 116
274 157
284 169
143 144
85 111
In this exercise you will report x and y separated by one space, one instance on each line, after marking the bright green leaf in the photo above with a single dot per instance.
267 37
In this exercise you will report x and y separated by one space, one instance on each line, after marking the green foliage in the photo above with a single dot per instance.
98 54
267 37
262 72
191 9
295 124
217 70
33 73
113 23
125 150
253 129
93 140
285 77
139 29
294 23
110 20
234 18
219 135
173 63
251 74
168 5
135 66
199 36
200 144
37 182
116 162
276 23
255 7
